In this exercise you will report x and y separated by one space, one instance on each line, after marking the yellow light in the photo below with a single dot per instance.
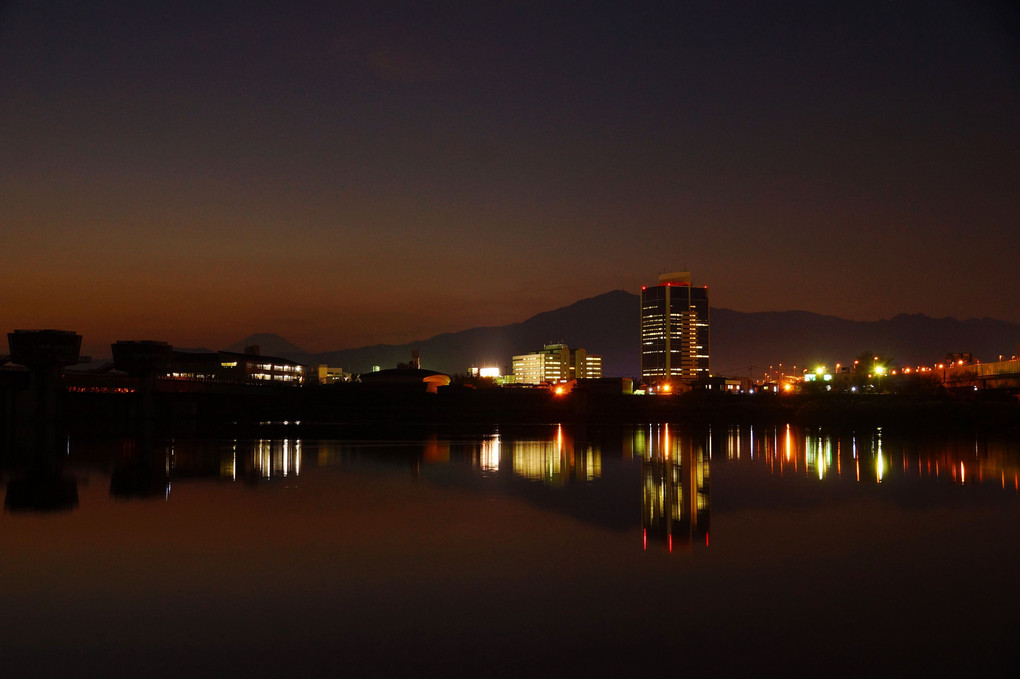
819 370
559 390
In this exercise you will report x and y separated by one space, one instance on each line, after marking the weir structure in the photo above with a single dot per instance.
45 353
1000 375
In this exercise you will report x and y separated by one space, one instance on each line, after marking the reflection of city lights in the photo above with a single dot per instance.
732 442
553 460
538 461
490 454
879 460
272 458
593 464
675 496
263 460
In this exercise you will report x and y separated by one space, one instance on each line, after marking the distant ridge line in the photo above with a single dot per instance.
608 324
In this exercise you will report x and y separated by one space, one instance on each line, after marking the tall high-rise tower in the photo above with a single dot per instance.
674 329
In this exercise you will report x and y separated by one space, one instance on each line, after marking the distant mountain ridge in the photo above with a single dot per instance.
269 344
741 343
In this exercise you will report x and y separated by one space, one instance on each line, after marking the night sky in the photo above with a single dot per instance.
353 173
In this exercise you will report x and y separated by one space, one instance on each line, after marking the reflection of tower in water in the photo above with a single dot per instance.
675 490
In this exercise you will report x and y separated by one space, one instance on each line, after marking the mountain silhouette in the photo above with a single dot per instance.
742 343
269 344
606 324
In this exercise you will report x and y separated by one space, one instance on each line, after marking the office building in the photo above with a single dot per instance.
556 363
586 366
674 330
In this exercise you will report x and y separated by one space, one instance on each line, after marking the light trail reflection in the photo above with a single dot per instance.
675 489
815 452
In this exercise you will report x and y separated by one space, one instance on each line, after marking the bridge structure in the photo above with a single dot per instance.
1003 375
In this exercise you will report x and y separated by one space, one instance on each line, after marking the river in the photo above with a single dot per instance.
526 551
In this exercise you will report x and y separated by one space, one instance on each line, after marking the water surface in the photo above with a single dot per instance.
528 551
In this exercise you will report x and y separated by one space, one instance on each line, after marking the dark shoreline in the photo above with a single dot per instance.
328 411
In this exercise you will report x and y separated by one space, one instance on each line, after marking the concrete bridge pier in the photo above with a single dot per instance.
45 353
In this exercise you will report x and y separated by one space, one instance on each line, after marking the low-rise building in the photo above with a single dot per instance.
556 363
330 375
236 367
